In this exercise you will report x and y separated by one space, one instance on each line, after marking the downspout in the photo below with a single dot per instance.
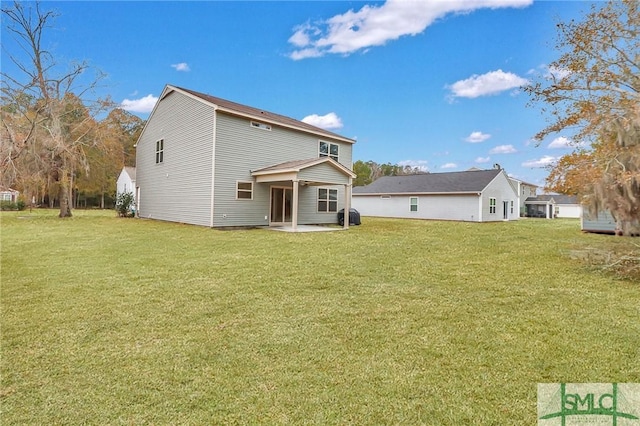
213 163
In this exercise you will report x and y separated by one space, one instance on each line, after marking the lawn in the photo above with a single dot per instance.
123 321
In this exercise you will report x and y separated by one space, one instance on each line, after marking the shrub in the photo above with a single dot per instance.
7 205
124 204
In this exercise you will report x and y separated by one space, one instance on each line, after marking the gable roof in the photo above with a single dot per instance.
131 171
297 165
256 113
431 183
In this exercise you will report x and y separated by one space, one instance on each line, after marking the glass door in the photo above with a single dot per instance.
281 205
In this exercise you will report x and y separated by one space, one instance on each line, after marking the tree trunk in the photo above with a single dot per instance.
65 207
102 201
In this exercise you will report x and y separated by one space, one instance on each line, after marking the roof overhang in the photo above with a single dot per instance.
475 193
290 170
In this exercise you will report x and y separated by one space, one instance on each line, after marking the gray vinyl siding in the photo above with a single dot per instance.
179 189
241 148
603 222
501 190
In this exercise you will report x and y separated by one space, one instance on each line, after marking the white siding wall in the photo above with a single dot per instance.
179 189
124 184
241 148
502 191
569 211
442 207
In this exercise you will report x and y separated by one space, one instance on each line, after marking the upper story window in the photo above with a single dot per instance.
160 151
262 126
328 149
492 205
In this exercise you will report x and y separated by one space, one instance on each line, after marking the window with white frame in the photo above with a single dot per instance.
413 204
492 205
328 149
327 200
244 190
160 151
511 206
262 126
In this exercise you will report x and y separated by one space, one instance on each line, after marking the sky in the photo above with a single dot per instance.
433 84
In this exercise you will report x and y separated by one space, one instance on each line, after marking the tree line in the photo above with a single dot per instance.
60 143
368 171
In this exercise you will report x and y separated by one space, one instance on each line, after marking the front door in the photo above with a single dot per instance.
280 205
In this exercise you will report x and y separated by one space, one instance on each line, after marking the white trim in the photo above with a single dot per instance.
213 163
328 155
327 200
238 190
411 204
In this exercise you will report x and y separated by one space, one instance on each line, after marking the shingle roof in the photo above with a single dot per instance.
558 199
131 171
263 115
469 181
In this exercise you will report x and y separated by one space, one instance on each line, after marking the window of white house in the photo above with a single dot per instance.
327 200
413 204
244 190
5 196
260 125
159 151
512 207
328 149
492 205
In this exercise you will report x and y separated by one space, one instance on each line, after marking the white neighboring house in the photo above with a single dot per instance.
553 206
8 194
127 182
525 190
470 196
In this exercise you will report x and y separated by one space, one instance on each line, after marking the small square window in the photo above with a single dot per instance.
327 200
244 190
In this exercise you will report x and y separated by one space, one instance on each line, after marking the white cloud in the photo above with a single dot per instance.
476 137
449 166
182 66
503 149
328 121
545 161
560 142
481 160
487 84
415 164
144 104
375 25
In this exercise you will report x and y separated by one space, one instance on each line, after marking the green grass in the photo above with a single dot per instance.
123 321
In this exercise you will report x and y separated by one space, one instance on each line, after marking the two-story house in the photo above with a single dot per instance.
207 161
